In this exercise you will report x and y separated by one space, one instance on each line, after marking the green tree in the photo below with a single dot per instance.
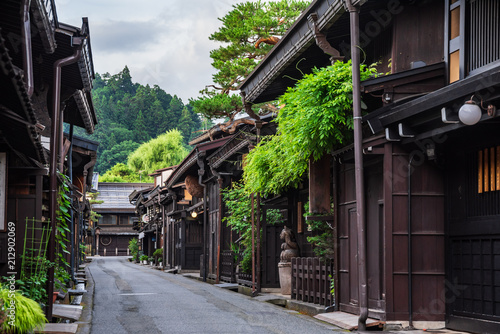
128 111
185 125
117 154
140 129
174 112
123 173
156 112
163 151
248 32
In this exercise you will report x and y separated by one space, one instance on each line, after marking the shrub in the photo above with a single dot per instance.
28 313
158 255
133 245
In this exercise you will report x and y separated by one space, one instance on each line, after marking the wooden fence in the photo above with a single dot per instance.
311 280
228 267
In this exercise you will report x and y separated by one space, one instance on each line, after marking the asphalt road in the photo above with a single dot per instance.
130 298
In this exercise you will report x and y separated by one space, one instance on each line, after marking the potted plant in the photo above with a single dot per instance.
158 255
151 260
144 259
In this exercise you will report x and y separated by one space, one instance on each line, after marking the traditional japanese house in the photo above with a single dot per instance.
191 212
116 225
82 155
430 156
226 164
46 72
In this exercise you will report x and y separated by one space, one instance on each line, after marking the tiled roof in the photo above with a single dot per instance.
116 195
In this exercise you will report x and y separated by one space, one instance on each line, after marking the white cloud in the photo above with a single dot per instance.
162 42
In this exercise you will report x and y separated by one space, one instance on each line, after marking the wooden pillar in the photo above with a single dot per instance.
319 185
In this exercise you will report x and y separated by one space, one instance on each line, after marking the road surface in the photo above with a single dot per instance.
130 298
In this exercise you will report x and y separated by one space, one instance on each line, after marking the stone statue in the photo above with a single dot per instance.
290 248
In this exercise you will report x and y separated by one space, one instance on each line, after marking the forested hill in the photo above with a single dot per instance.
130 114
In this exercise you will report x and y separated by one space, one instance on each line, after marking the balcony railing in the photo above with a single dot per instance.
50 7
45 19
86 64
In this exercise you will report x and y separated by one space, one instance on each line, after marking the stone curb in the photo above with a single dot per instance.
85 322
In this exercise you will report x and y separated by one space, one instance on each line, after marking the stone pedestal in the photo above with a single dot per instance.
285 270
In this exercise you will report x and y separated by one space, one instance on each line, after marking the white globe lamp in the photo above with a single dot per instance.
470 113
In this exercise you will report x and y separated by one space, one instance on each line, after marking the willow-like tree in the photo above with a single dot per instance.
163 151
248 33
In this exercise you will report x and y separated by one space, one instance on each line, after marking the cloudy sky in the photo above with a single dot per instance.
162 42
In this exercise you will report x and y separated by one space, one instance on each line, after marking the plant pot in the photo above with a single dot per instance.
285 271
144 262
54 296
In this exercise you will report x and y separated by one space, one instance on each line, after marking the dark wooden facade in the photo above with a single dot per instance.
431 188
26 109
116 224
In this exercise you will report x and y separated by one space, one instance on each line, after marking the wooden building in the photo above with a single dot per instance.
430 173
191 213
115 227
46 74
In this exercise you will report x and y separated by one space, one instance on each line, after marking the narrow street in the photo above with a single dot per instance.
130 298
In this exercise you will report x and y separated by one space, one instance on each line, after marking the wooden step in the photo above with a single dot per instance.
58 329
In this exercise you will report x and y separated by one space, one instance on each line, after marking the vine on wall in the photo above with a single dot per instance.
316 118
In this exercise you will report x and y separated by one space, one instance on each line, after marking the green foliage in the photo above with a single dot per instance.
92 197
241 28
34 264
164 151
33 278
274 217
123 173
143 257
217 105
158 254
117 154
239 215
239 218
28 313
130 114
245 25
133 245
322 237
62 266
316 118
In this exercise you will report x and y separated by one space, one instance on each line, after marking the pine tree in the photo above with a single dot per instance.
140 130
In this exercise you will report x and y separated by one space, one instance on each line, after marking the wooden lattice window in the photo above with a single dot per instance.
488 175
482 184
471 36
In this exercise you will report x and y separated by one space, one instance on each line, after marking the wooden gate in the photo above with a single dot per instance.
311 280
228 267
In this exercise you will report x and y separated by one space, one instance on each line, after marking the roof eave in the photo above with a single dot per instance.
298 37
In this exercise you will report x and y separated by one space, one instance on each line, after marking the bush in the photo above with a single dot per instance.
158 255
28 316
133 245
143 257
